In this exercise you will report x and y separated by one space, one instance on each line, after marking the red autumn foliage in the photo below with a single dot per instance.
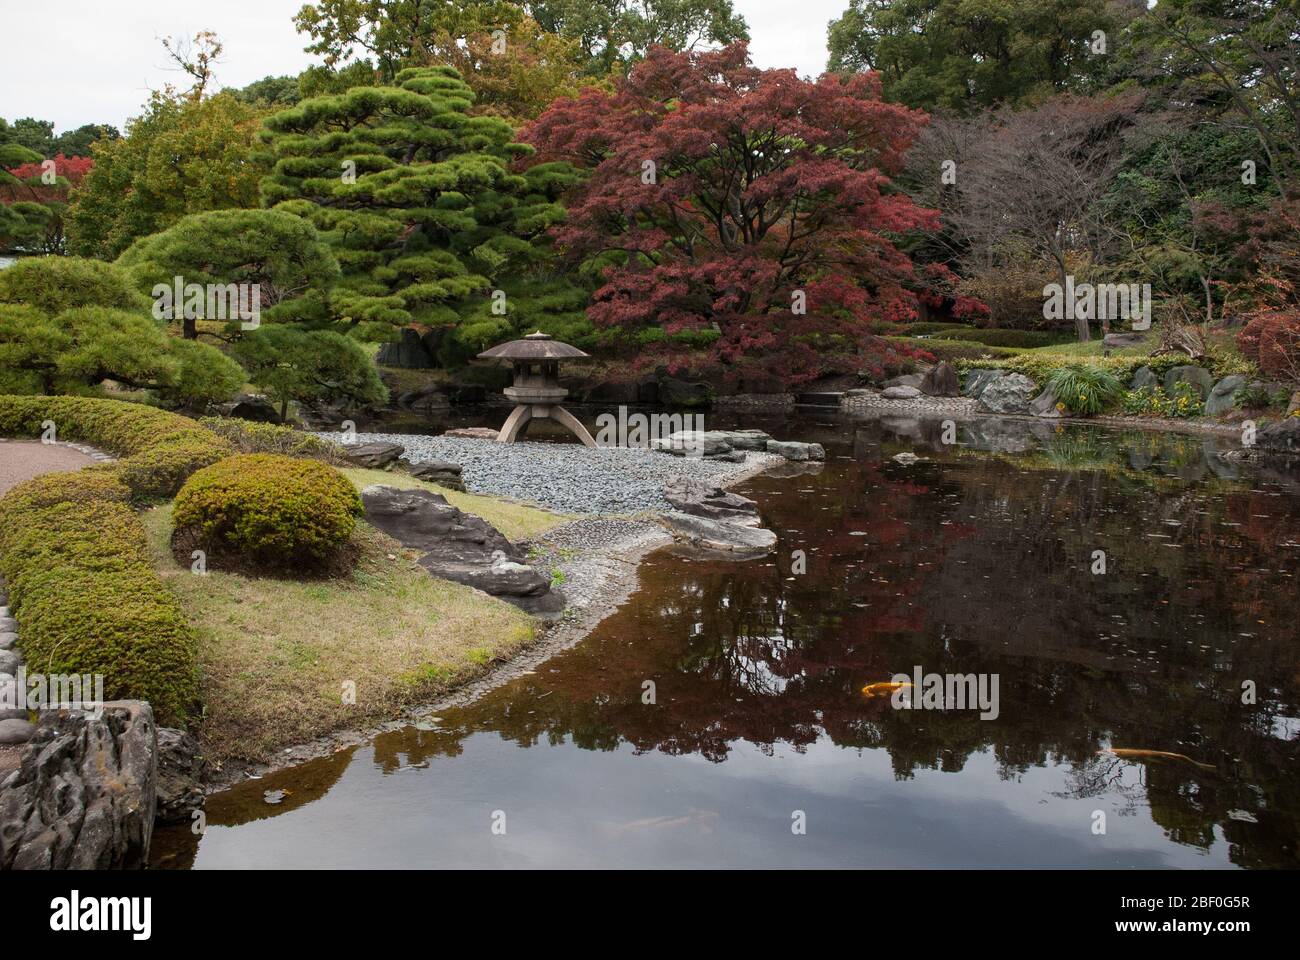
43 204
1271 338
721 199
72 169
1271 335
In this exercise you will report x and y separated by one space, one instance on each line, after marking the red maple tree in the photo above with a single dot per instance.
71 169
741 216
32 191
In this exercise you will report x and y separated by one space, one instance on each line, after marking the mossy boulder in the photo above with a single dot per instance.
1201 380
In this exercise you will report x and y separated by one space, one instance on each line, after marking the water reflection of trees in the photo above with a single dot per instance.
970 564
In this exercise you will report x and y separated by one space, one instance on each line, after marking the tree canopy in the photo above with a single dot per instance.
610 32
416 198
743 211
68 324
315 366
282 254
182 155
965 55
39 137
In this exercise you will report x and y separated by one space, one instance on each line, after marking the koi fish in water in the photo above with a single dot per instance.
1125 753
885 688
703 819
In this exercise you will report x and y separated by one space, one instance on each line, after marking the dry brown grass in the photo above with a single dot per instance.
517 521
275 654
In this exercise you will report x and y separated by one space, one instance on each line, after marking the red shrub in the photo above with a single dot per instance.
1271 338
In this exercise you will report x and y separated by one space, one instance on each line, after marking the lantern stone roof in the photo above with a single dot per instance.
535 346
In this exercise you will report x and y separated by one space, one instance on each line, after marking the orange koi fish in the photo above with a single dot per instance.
883 689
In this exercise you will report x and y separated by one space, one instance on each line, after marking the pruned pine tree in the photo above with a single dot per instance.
420 204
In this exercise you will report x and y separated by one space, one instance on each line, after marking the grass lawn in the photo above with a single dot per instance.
517 521
276 655
1094 348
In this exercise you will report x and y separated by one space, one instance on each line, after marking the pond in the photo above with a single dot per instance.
760 749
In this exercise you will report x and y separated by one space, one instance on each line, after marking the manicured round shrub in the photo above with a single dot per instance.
267 512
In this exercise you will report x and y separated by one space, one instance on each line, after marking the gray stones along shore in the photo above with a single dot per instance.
568 477
15 726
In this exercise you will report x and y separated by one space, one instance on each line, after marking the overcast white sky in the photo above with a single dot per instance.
94 61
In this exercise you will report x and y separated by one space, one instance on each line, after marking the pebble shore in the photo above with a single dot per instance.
568 477
961 406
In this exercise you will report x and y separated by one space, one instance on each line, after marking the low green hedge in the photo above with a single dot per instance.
989 336
929 328
248 436
955 350
157 450
81 581
1024 339
1040 366
268 511
84 590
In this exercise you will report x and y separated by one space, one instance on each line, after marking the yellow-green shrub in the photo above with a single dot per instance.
270 511
82 586
1039 366
157 450
249 436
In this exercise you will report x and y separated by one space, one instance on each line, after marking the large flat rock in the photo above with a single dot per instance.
718 535
459 546
704 499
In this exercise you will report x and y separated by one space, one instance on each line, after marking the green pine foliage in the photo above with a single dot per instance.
314 366
67 325
423 210
283 254
55 284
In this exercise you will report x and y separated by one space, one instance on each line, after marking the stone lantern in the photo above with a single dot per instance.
536 390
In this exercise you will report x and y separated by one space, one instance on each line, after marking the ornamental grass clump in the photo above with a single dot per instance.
1084 390
268 513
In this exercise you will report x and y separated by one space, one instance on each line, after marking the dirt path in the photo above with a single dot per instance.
23 459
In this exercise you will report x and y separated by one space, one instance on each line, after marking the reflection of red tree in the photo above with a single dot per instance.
750 652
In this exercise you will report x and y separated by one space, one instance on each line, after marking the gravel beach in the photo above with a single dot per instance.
569 477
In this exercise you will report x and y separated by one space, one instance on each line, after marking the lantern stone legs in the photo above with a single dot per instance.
521 414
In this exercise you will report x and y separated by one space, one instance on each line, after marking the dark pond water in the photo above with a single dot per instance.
977 559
